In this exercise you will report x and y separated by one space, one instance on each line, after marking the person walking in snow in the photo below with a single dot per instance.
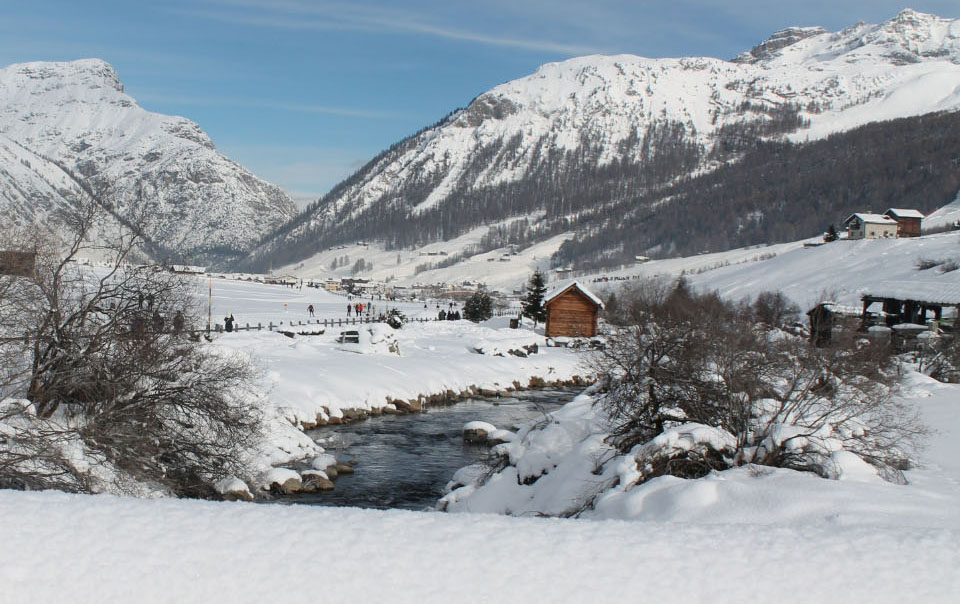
178 322
349 308
310 309
228 323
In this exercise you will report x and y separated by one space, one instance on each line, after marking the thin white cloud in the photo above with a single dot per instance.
333 17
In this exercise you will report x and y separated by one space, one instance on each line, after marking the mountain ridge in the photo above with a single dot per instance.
664 119
75 115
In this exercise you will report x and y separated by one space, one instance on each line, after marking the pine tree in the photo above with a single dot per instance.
478 307
533 301
831 234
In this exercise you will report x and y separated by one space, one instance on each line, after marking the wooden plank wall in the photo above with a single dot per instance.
571 314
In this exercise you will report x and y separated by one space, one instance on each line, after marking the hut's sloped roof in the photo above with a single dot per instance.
871 218
574 284
932 292
904 213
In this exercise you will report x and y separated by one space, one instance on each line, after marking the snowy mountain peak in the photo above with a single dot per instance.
73 120
780 39
41 76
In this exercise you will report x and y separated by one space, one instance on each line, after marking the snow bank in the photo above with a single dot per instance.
103 549
562 466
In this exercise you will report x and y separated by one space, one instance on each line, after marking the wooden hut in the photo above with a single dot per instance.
909 222
572 311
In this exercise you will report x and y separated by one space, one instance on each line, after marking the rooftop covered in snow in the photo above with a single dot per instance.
573 285
904 213
944 294
869 218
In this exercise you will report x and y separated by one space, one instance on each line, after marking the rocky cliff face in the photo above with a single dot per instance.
657 119
68 131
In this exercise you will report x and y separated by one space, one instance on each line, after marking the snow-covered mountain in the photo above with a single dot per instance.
599 140
68 131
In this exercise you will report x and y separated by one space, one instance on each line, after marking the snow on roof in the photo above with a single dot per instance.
840 309
919 291
562 288
904 213
871 218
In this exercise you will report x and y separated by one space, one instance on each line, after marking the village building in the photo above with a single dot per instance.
572 311
827 316
915 302
870 226
908 221
186 269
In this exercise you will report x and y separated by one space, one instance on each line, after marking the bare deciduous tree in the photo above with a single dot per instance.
99 364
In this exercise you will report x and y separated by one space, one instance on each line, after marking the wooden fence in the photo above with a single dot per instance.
270 326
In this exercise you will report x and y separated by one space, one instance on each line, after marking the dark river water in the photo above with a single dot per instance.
405 461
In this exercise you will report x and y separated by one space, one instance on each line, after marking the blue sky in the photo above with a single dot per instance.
303 92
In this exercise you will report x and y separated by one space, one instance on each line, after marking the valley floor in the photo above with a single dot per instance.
786 537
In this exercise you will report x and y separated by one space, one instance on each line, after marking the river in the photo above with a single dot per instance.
405 461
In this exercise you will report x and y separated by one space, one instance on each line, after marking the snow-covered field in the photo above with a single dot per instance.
841 271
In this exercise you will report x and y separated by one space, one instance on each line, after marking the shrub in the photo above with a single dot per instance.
690 364
395 318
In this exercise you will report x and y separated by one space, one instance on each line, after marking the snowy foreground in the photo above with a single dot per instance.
106 549
782 536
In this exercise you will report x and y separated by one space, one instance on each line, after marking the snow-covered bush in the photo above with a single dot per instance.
682 360
395 318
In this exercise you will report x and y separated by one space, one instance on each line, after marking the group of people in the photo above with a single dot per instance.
359 308
140 324
453 315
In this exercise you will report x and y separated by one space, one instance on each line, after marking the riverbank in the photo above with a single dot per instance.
310 381
408 462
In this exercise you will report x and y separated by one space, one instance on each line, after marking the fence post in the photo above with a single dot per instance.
259 326
270 326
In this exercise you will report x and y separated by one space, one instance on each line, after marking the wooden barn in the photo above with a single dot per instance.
572 311
908 221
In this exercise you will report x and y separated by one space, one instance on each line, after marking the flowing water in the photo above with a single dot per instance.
405 461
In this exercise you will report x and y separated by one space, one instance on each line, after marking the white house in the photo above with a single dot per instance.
870 226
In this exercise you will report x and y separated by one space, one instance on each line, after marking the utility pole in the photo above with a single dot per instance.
210 306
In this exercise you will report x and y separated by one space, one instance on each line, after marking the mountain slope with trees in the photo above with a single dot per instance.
583 145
